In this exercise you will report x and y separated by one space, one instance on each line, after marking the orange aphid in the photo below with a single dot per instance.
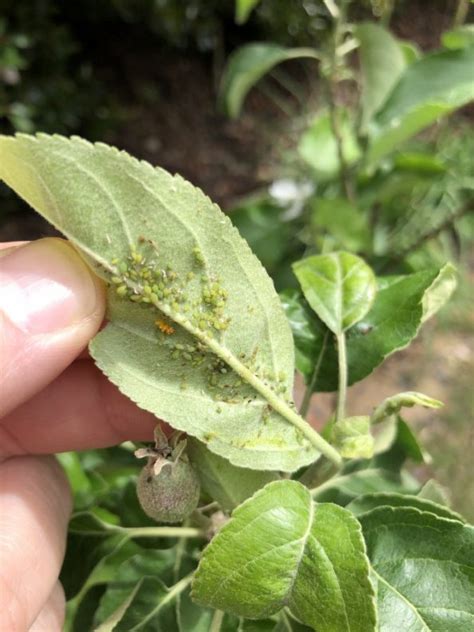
164 327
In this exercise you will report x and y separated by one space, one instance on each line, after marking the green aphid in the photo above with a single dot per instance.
117 280
122 290
198 257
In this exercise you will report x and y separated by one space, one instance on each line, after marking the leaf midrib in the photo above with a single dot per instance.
218 349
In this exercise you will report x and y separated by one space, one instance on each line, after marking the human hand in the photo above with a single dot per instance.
52 399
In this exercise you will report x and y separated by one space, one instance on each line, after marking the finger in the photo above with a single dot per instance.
35 505
51 617
51 305
81 409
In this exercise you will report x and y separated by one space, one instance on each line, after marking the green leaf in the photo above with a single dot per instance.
352 437
137 599
318 147
382 63
393 405
111 554
341 221
459 37
129 219
428 89
363 504
247 65
243 9
439 292
401 305
261 225
345 488
408 443
340 287
432 490
423 569
388 138
279 549
222 481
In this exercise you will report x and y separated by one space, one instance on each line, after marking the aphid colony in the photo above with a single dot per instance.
200 299
142 280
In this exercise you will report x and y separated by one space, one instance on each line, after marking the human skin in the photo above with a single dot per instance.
52 399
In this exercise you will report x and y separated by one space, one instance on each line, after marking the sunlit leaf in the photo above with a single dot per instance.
247 65
429 88
206 343
400 307
279 549
382 63
340 287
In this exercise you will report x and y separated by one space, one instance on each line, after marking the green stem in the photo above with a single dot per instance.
180 550
314 378
159 532
342 366
277 404
216 622
334 52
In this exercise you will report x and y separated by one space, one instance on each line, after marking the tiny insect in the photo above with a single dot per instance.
164 327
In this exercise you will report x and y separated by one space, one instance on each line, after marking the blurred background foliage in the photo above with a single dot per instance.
349 126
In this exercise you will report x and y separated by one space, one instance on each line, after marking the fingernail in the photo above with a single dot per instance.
45 286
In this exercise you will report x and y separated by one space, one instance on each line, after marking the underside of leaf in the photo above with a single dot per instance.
196 332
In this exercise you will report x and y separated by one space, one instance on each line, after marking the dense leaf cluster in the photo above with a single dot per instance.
360 550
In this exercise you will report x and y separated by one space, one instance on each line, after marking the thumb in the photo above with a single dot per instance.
51 305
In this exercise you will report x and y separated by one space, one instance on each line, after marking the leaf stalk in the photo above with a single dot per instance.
342 366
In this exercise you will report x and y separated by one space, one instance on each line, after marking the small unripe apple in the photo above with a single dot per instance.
172 494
